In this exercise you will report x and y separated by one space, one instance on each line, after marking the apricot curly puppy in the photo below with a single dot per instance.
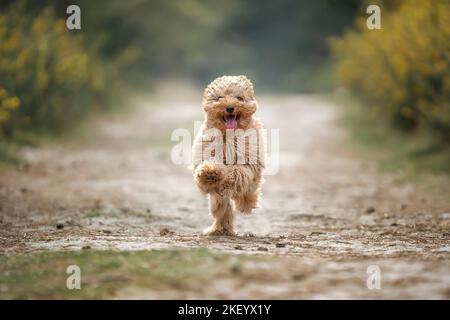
229 151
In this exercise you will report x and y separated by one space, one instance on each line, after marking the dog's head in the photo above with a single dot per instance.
229 102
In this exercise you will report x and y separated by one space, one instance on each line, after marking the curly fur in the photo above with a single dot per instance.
229 170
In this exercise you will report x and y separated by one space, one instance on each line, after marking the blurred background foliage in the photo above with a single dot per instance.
402 70
48 77
51 77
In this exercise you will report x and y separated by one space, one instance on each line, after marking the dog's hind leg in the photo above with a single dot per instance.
242 183
222 211
246 202
249 199
236 180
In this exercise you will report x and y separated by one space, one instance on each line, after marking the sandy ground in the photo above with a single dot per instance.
326 214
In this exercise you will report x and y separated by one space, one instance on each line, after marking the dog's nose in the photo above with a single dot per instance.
230 109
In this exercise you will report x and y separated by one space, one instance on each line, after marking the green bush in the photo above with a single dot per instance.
49 78
402 70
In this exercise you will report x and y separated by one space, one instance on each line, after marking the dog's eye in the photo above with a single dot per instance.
240 98
219 97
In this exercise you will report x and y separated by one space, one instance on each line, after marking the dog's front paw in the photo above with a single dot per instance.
218 231
207 176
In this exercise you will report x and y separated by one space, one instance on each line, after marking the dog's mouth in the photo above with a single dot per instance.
231 121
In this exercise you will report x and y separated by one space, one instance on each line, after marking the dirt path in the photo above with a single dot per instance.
332 214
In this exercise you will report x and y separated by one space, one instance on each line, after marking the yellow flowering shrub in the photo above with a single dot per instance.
7 105
48 76
403 69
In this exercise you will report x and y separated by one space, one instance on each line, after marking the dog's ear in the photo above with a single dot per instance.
246 83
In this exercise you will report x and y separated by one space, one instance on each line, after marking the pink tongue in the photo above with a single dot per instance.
231 124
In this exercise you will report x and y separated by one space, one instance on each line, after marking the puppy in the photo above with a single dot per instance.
229 151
